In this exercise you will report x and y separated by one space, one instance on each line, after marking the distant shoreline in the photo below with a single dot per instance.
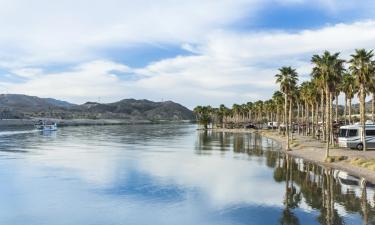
84 122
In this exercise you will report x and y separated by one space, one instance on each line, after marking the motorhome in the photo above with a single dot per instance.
271 125
350 136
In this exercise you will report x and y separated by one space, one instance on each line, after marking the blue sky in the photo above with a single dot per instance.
195 52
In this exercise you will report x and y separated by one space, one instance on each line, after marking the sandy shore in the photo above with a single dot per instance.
314 151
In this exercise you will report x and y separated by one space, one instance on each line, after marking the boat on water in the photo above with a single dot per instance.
46 125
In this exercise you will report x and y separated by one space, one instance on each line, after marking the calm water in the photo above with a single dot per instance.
168 174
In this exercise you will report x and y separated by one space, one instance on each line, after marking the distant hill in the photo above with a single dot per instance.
59 103
23 106
20 106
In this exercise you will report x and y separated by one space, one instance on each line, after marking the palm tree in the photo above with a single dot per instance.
319 82
278 98
258 105
362 67
236 111
287 78
328 69
371 89
203 115
249 108
349 88
310 95
304 92
223 112
197 111
270 108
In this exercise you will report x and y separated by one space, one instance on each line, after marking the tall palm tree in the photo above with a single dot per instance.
250 108
362 67
287 78
304 94
278 98
258 105
224 113
328 68
310 95
236 113
203 115
371 89
349 88
319 82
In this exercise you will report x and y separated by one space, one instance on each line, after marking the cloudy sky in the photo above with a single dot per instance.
192 52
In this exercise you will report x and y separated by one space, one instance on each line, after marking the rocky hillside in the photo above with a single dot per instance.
23 106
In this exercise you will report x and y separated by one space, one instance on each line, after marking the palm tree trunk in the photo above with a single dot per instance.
327 122
350 110
312 120
363 116
278 118
307 119
322 114
290 118
337 108
302 119
316 119
285 121
345 108
298 118
373 107
331 117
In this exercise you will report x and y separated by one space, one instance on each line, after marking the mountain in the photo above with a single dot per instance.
27 103
59 103
136 109
23 106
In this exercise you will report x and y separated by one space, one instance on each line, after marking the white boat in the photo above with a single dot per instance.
46 126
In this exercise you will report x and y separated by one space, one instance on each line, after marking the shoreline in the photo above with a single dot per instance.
313 151
82 122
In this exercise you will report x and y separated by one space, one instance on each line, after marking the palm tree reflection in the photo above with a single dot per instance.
319 188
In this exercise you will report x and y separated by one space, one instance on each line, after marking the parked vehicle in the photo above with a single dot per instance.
250 126
271 125
350 136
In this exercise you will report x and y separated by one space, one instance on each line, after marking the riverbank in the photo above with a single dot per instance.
314 151
80 122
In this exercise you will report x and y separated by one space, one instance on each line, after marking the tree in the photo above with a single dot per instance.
362 67
287 78
203 115
328 68
278 98
349 88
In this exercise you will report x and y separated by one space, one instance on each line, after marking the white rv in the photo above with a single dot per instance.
350 136
271 125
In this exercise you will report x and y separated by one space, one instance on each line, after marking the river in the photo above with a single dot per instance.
168 174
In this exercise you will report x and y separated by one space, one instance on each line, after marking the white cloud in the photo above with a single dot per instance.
226 66
88 81
229 187
45 31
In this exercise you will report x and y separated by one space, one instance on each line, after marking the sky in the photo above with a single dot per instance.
196 52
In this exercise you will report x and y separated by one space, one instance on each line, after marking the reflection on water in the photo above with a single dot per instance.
332 193
169 174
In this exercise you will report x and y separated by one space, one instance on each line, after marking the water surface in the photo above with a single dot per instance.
168 174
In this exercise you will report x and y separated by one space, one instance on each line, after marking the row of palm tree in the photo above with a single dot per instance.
309 105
